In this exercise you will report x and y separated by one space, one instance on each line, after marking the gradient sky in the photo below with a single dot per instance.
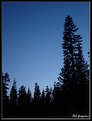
32 36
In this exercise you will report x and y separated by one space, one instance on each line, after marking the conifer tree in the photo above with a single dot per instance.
56 92
37 93
74 74
5 98
75 67
13 94
43 97
48 93
22 96
5 81
29 96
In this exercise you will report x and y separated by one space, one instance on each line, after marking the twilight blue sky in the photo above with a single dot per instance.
32 36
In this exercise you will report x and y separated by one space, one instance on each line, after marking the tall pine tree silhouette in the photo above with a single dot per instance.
75 70
74 74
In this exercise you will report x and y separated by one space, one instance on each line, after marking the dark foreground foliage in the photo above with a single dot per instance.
68 104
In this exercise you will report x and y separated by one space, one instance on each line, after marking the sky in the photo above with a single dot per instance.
32 36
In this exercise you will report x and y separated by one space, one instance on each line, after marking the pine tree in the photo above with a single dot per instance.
74 63
13 94
57 92
29 96
5 81
74 73
5 98
43 97
37 93
48 93
22 96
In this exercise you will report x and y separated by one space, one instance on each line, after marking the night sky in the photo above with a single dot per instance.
32 36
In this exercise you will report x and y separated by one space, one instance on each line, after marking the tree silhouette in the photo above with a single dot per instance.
37 93
5 81
57 92
43 97
13 94
13 99
74 62
68 71
48 93
74 74
22 96
29 97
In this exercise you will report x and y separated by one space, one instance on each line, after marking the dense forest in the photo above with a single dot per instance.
70 95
